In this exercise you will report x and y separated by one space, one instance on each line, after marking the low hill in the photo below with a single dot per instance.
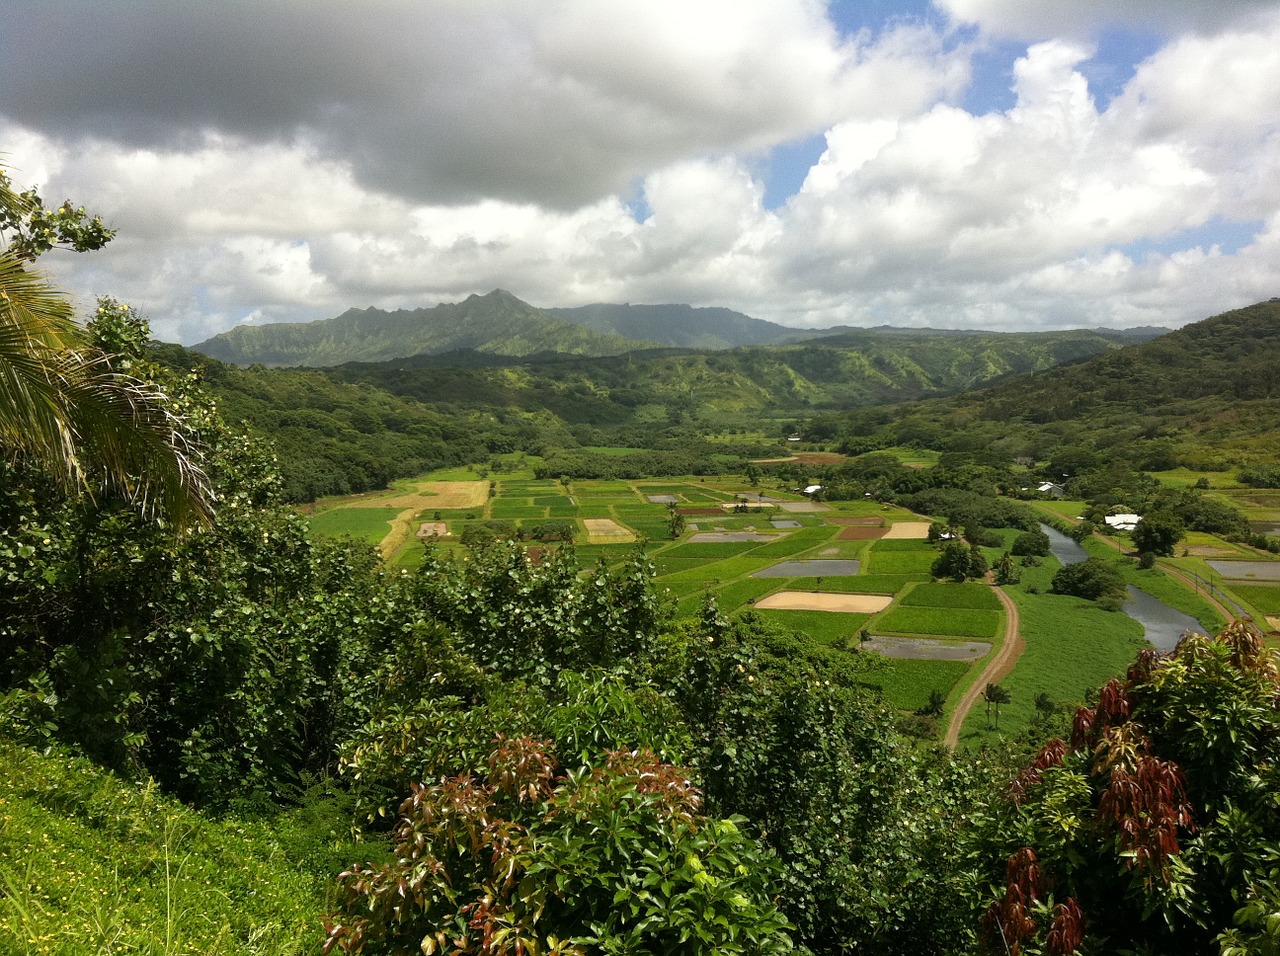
494 323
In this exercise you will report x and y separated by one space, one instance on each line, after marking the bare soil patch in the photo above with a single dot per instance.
825 601
860 534
433 529
912 530
606 531
803 506
1274 622
819 458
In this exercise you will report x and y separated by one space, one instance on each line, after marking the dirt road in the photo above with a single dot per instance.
997 668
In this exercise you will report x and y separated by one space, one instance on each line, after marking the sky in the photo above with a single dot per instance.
1012 165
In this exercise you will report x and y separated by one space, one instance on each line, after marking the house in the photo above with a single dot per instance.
811 489
1122 522
1052 489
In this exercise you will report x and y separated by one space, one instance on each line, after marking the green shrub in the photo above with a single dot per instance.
1090 579
531 858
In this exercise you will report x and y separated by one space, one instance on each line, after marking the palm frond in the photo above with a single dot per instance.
92 427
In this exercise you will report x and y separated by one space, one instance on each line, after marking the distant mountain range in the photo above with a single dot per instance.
497 323
500 325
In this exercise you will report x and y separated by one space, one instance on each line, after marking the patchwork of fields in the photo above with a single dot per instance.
852 577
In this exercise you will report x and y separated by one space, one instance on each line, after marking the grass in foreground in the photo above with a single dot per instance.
92 864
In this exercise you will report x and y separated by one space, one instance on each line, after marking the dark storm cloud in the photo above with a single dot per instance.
448 101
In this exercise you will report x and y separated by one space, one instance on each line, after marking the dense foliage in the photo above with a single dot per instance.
1155 827
533 858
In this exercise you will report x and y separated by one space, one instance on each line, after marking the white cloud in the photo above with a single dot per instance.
420 153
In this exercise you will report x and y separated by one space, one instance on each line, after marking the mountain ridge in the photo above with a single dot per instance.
501 325
497 322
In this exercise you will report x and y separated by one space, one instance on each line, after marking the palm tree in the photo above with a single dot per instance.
63 404
995 694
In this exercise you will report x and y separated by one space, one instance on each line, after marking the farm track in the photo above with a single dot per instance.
997 669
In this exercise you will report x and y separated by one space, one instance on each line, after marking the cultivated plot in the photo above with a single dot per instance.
907 530
826 601
926 649
809 569
1247 570
606 531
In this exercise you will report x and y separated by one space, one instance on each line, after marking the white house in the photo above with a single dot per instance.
812 489
1122 522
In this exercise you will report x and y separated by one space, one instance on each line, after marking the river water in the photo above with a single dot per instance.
1162 624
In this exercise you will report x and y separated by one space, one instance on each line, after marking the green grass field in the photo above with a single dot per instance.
368 524
906 684
1266 598
819 627
976 596
945 622
1072 647
899 562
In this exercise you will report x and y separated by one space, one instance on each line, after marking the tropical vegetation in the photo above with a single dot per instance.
229 733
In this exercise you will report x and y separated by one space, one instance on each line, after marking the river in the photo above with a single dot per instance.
1162 625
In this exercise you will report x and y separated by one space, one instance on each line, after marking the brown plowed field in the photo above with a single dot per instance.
860 534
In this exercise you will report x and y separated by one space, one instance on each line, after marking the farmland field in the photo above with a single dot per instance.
368 523
886 588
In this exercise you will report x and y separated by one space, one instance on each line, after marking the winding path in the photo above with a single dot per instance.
997 669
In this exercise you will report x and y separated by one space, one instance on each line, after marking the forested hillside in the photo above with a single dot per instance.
355 427
1207 395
